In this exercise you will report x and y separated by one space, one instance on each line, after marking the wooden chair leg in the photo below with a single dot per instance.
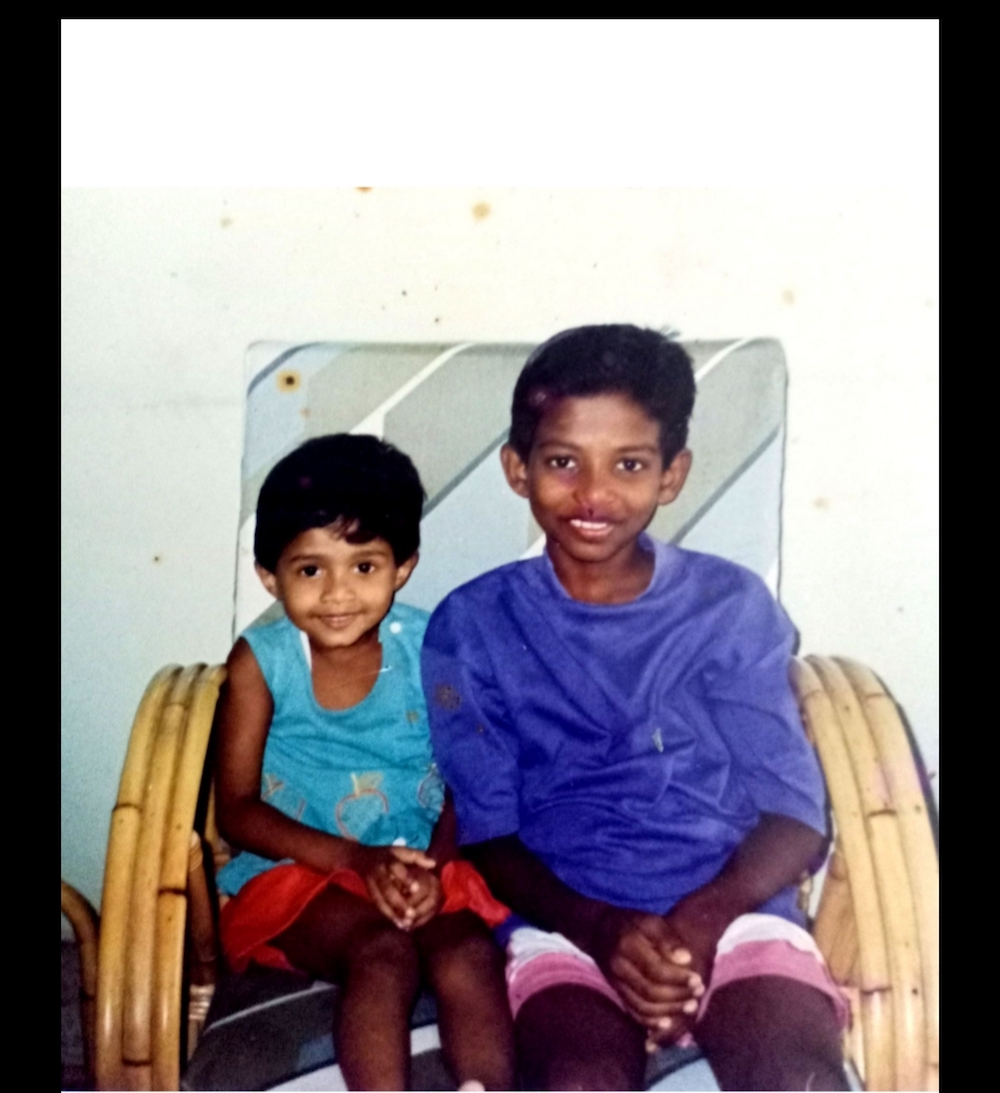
86 925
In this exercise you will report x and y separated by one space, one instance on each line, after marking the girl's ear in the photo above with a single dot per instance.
674 477
515 470
267 579
404 570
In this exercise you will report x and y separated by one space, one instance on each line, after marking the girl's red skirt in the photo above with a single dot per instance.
269 903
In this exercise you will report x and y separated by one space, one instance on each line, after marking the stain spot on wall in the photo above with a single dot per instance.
304 411
481 210
288 379
821 503
225 222
363 189
437 318
404 291
157 558
788 297
173 273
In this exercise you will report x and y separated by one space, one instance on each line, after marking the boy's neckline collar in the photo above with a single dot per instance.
646 542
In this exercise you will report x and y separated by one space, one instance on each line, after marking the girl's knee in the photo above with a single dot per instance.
465 963
382 943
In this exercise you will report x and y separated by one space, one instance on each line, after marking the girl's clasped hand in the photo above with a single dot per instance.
402 884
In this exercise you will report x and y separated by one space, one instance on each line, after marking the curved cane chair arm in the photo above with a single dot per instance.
877 918
144 904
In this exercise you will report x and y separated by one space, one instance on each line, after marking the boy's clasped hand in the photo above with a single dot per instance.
648 964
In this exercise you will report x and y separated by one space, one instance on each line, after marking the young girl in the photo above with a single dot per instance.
327 784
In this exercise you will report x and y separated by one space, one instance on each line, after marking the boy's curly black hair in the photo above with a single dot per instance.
362 483
652 369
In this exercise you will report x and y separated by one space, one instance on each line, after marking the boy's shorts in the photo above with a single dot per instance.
270 902
752 946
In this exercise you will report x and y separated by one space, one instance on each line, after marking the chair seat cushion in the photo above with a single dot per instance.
266 1027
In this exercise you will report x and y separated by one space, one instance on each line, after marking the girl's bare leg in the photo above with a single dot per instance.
342 938
465 969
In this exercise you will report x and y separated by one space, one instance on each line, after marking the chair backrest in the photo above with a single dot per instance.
448 408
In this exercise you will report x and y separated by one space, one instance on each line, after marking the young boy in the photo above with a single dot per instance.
629 768
325 778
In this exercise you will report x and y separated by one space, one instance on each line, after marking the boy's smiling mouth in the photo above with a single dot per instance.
593 530
590 525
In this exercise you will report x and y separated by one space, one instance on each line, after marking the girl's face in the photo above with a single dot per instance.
334 591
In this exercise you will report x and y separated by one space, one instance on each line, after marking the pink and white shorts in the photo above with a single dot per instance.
753 945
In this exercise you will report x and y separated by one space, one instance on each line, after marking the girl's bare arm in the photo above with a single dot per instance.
245 713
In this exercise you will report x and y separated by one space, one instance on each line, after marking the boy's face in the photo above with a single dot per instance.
595 475
336 592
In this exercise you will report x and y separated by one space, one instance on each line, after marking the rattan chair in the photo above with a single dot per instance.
876 920
86 925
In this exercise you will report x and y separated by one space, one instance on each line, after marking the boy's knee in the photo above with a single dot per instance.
566 1073
772 1033
570 1037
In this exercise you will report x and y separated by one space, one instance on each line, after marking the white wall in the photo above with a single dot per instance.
164 289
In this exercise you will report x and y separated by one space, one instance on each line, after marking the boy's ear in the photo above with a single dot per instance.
674 477
515 470
404 570
267 579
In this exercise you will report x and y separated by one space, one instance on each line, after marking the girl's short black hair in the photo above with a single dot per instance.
362 483
652 369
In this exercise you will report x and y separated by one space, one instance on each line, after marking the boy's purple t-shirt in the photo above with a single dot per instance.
633 746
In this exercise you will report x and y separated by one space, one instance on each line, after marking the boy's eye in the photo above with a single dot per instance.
632 464
366 567
561 462
309 570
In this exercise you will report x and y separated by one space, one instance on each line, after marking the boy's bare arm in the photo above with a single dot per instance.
245 713
444 840
773 856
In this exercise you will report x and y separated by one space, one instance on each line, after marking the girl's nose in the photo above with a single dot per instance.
334 587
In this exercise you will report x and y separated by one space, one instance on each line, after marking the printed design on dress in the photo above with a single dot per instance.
362 806
430 792
270 785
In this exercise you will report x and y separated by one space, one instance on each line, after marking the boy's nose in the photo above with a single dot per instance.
591 488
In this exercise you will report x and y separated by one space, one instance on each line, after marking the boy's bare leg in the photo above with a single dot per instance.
570 1037
465 969
772 1033
342 938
